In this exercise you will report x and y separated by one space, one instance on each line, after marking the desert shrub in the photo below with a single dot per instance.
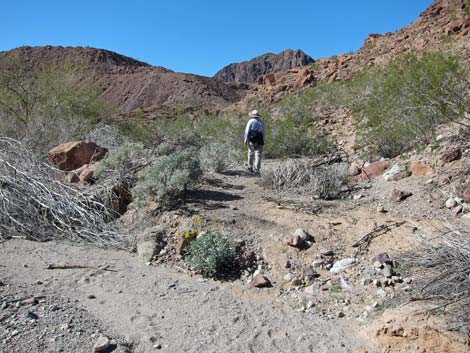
329 180
401 104
123 160
107 136
44 107
287 138
212 255
164 149
217 157
35 204
168 178
314 177
441 266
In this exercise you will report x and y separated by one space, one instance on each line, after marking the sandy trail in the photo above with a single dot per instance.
158 307
155 306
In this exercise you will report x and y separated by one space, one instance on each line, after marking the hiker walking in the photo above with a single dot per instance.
254 138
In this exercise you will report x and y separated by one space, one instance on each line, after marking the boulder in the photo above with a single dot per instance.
73 155
373 170
150 242
400 195
260 281
418 169
397 172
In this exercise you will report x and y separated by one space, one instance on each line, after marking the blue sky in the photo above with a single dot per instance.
202 36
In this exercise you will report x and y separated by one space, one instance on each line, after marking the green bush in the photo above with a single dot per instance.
212 255
401 104
44 107
217 157
122 160
168 178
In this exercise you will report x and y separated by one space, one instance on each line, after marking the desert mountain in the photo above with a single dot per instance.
445 25
250 71
133 85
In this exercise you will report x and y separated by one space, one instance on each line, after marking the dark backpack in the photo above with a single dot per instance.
255 137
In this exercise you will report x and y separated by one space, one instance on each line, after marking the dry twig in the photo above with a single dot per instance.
36 204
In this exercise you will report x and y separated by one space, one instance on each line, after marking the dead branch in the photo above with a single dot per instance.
365 240
34 202
74 266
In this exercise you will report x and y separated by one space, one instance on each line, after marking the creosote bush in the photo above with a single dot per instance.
402 103
168 178
212 255
123 160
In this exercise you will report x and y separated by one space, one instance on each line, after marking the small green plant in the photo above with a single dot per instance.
212 255
168 178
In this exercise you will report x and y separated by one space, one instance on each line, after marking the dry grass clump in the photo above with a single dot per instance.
320 179
442 266
35 204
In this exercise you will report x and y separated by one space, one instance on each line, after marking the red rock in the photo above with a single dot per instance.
181 245
373 170
418 169
450 155
72 177
260 281
466 195
73 155
249 257
296 242
87 173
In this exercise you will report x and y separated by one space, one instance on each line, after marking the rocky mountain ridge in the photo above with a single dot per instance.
444 26
250 71
132 85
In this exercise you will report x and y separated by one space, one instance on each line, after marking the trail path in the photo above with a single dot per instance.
158 307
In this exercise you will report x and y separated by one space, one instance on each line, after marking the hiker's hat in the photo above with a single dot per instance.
254 114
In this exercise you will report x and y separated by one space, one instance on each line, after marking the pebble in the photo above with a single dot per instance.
288 277
91 296
387 271
102 344
343 264
357 197
381 293
377 265
381 209
317 263
451 203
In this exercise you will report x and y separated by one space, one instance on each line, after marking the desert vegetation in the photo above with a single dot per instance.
43 108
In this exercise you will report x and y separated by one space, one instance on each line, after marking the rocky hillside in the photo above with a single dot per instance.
445 25
250 71
132 85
